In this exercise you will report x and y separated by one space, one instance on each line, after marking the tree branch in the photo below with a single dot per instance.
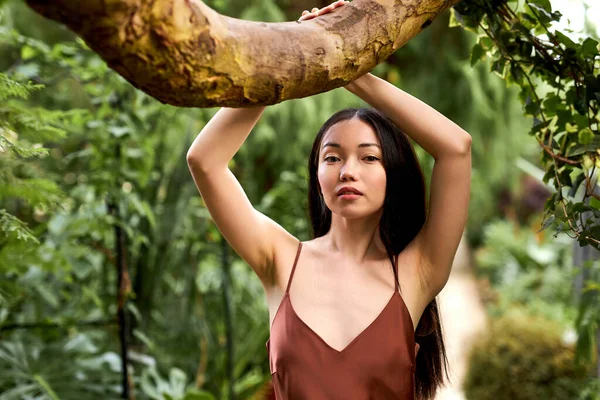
183 53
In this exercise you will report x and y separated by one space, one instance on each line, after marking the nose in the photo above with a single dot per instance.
347 173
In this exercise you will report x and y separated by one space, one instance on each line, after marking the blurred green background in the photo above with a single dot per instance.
114 186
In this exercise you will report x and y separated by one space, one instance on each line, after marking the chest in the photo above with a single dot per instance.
336 303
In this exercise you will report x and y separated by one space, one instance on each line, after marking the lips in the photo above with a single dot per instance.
348 190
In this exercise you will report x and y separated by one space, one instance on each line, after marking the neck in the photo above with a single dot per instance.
355 240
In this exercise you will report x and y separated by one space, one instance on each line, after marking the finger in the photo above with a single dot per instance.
304 12
306 17
314 9
335 5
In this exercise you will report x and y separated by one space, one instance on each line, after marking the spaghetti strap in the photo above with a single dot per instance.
396 269
287 290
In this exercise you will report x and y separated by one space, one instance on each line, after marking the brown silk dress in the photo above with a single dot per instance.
379 364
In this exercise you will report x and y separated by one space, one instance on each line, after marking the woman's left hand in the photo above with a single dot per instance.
315 12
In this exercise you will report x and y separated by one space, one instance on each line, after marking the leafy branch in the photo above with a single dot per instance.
560 90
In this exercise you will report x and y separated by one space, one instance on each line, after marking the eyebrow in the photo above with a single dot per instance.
331 144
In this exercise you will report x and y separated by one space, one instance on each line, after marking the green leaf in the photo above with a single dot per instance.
44 384
516 74
551 103
585 148
564 39
580 178
477 53
456 19
589 47
119 131
527 20
547 223
28 52
544 14
543 4
499 67
586 136
486 42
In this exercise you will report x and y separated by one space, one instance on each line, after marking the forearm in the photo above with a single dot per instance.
435 133
222 137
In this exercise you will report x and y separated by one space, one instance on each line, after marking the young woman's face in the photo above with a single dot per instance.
350 155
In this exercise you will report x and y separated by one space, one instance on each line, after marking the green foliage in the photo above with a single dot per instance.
70 368
523 357
11 226
591 390
530 269
264 11
527 269
559 83
157 388
588 319
508 251
10 88
18 127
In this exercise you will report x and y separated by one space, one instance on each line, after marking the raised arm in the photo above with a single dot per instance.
450 146
250 233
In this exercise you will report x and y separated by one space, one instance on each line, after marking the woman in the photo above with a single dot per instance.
335 332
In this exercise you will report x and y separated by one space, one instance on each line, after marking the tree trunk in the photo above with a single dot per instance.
183 53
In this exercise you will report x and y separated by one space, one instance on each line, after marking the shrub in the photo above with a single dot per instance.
523 357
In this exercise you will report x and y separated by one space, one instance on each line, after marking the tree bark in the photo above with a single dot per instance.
183 53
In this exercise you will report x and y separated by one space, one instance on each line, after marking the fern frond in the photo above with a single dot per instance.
11 226
12 88
36 192
20 151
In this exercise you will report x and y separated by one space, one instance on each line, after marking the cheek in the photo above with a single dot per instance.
325 176
381 183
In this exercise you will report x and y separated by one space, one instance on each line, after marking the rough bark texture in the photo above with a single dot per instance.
183 53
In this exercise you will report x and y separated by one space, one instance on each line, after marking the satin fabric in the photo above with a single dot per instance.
378 364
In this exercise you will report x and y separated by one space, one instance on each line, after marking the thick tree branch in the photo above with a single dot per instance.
183 53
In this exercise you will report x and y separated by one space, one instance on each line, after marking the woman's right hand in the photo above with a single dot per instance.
315 12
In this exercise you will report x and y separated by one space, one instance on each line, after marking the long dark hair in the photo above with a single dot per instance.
404 213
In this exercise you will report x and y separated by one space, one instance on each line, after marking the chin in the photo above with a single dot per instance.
350 212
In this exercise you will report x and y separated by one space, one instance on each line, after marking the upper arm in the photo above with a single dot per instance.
440 236
250 233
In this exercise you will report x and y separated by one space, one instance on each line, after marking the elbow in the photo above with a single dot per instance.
466 144
199 164
194 162
460 146
190 157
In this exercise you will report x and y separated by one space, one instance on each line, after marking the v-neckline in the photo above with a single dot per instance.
356 338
